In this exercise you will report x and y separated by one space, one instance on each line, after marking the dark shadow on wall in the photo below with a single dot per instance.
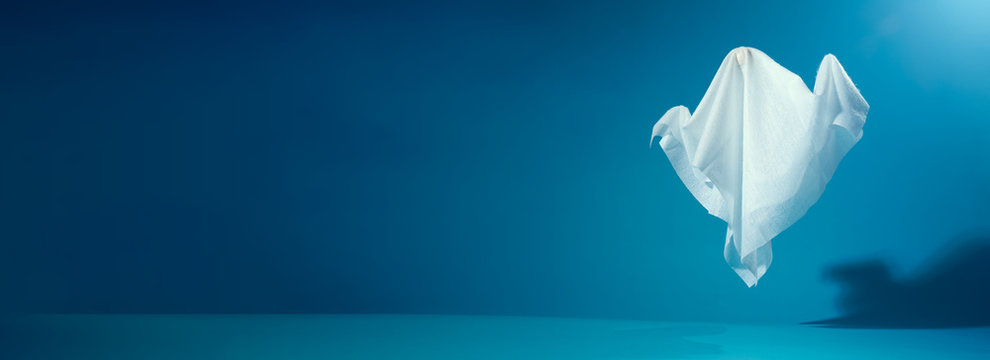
954 291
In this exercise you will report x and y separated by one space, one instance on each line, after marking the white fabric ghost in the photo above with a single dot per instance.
760 147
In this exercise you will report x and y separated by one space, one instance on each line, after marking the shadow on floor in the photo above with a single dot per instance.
954 291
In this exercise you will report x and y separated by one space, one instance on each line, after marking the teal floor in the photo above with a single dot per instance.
459 337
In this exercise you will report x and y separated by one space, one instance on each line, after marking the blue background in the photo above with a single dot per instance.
483 158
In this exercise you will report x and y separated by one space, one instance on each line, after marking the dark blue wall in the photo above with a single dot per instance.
488 158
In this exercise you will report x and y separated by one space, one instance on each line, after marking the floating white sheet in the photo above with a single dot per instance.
760 147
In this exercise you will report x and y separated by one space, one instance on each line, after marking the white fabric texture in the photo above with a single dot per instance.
760 147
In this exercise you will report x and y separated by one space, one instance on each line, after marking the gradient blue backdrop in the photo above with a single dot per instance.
482 158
